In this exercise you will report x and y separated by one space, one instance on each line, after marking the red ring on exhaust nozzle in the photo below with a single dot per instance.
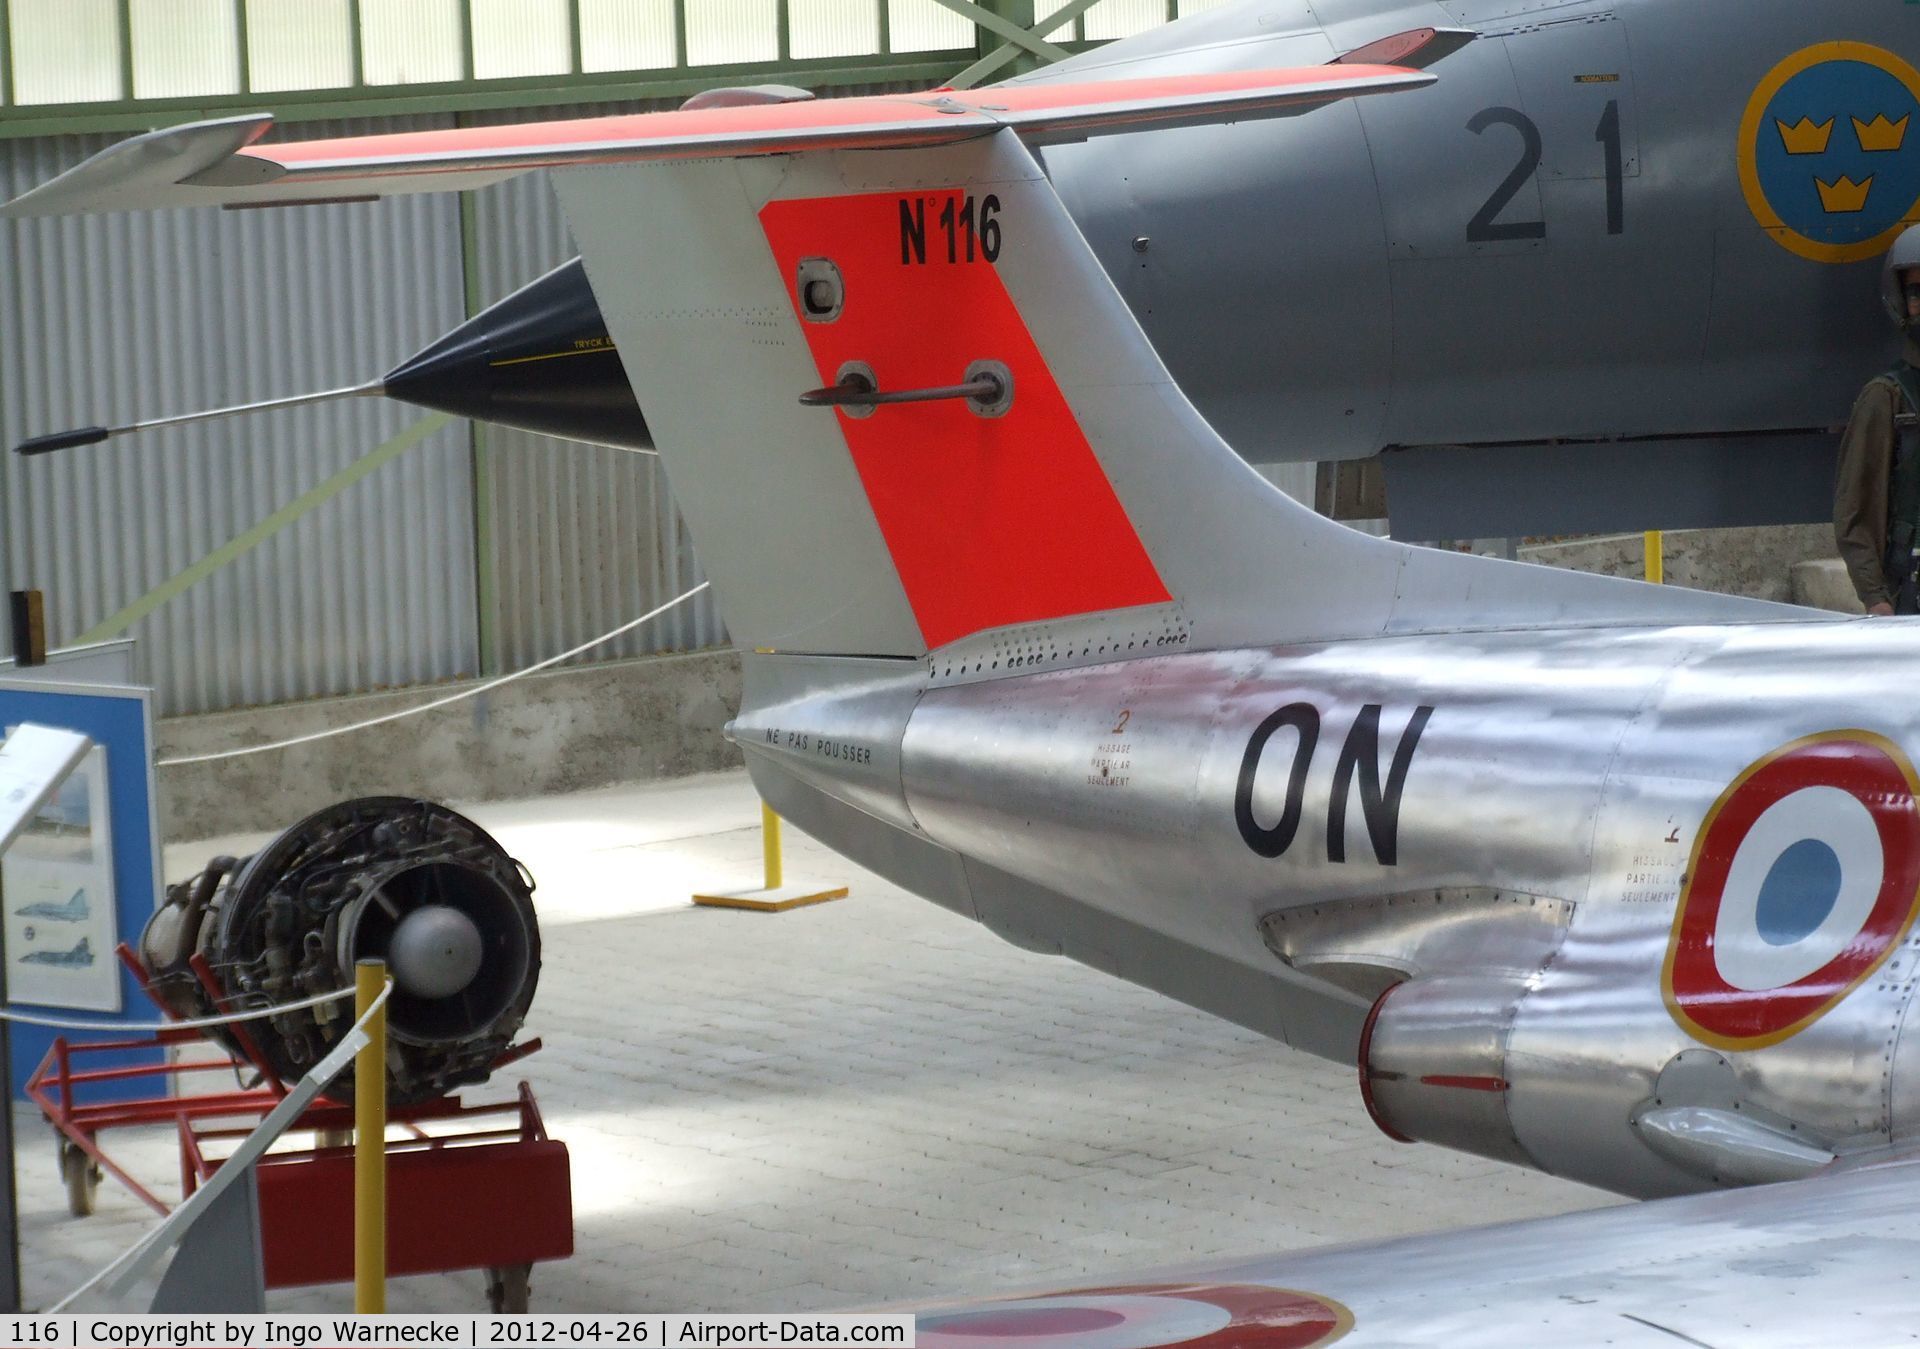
1366 1077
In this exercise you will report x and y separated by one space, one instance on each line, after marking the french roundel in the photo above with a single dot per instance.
1150 1316
1804 877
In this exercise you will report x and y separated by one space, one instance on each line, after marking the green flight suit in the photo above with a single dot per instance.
1862 496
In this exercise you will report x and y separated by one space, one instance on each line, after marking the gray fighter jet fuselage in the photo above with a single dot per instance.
80 956
73 909
1618 268
1629 248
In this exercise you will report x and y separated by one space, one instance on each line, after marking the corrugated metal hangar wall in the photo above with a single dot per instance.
466 550
107 319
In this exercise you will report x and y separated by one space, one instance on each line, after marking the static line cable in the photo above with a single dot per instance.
474 692
195 1023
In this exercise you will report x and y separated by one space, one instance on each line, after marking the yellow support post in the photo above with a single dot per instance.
1656 546
775 896
770 846
370 1144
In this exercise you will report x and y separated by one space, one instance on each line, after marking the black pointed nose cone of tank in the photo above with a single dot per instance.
540 360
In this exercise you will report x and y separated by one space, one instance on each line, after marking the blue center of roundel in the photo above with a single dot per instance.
1798 893
1814 172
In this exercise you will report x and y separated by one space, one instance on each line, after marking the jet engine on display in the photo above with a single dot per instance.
407 881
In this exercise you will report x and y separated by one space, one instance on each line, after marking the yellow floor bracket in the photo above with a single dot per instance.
775 896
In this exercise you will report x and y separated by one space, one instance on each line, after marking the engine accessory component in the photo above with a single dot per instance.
407 880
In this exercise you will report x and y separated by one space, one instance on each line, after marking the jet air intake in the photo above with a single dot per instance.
540 360
407 881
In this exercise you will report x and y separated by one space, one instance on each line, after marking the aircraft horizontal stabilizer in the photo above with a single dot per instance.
218 163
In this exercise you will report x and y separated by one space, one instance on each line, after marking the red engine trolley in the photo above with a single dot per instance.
468 1186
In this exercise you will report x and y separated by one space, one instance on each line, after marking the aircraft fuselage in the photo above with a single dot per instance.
1628 250
1503 826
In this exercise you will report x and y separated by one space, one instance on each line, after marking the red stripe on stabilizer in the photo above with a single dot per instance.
990 521
634 130
975 110
1464 1083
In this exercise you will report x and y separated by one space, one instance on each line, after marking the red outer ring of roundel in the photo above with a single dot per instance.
1868 767
1263 1317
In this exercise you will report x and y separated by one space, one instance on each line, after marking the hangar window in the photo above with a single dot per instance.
411 41
732 32
626 34
230 52
299 44
184 47
925 26
65 51
833 28
1124 18
521 37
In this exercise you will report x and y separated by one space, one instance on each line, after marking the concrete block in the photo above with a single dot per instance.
1823 583
558 731
1757 562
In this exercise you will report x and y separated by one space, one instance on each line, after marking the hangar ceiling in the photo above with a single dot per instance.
84 59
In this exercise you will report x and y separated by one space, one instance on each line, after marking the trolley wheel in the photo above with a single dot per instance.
82 1176
509 1288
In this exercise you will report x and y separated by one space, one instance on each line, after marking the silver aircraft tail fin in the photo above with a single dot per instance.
907 413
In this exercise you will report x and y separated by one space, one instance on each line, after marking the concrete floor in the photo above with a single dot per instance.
863 1102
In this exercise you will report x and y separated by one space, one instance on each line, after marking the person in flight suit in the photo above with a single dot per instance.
1876 499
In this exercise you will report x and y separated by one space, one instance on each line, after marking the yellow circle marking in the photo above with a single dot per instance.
1342 1320
1784 234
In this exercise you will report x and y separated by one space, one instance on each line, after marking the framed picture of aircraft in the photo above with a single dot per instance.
86 867
58 900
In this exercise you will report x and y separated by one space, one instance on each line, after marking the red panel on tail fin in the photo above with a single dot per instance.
990 521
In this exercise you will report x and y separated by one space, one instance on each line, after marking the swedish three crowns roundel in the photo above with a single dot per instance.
1830 151
1804 877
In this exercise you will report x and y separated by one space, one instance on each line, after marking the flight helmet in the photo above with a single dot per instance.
1901 270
